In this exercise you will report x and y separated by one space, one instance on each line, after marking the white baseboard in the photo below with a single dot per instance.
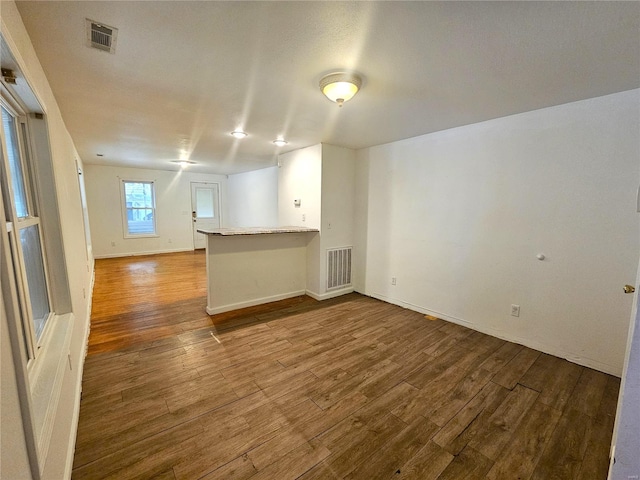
612 459
527 342
137 254
75 420
328 295
253 302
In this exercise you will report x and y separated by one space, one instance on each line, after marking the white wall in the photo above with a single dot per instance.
300 177
79 265
338 192
322 177
459 216
252 198
173 209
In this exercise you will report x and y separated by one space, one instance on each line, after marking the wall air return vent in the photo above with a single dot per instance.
101 36
338 267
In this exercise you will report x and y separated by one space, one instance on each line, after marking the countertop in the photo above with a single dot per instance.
256 230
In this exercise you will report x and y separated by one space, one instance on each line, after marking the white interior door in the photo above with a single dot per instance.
205 210
625 462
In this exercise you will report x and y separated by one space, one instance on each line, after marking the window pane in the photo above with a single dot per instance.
17 177
204 202
138 197
138 194
34 267
140 221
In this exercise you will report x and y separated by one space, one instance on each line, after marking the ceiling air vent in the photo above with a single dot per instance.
101 36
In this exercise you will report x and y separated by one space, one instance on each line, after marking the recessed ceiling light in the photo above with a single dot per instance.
184 163
280 142
239 134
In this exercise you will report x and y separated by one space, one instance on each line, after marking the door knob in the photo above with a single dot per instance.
629 289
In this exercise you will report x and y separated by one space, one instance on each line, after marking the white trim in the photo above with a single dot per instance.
527 342
612 456
254 302
332 294
75 418
46 387
19 351
138 254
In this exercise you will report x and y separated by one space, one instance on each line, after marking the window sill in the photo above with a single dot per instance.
126 237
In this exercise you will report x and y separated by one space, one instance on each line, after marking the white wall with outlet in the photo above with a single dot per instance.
252 198
300 178
458 217
173 209
316 189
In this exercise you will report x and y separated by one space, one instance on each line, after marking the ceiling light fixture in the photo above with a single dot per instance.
238 134
280 142
183 163
340 87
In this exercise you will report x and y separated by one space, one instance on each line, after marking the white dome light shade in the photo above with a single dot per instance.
340 87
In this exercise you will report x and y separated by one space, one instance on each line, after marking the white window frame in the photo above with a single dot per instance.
40 364
33 343
123 201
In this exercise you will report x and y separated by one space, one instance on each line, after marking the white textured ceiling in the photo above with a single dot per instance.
185 74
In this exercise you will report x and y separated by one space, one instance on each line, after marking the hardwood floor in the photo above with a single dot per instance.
347 388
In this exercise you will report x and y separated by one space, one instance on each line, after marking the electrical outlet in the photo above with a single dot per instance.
393 280
515 310
170 241
113 244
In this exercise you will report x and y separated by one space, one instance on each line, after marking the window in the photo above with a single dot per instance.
139 209
36 297
22 215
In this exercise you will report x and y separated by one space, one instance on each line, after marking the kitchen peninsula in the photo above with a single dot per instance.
252 266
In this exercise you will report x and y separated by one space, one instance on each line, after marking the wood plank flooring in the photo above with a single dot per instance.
349 388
